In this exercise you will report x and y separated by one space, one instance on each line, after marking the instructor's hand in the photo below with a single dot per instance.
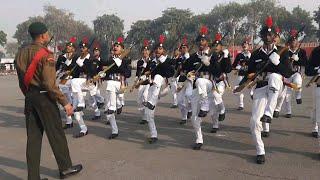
69 109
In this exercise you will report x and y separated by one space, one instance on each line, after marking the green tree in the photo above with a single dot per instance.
316 17
3 38
11 48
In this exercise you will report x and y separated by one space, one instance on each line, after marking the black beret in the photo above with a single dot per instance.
37 28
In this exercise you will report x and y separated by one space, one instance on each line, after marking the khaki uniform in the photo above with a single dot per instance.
41 110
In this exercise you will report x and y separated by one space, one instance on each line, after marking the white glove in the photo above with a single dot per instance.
295 57
225 53
186 55
318 71
143 77
118 61
102 75
205 60
238 67
274 58
144 65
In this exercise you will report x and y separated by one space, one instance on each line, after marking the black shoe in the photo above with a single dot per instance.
261 159
100 105
222 117
143 122
173 106
266 119
214 130
113 136
108 122
202 113
251 96
67 126
265 134
315 134
95 118
71 171
152 140
81 134
240 108
79 109
149 105
44 178
288 116
299 101
182 122
119 111
109 111
276 114
189 115
197 146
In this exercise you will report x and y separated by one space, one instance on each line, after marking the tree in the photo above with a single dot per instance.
3 38
108 28
316 17
11 49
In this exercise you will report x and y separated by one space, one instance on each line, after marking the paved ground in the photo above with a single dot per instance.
229 154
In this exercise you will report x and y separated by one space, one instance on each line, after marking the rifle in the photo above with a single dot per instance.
251 79
314 79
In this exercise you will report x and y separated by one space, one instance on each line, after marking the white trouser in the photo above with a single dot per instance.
112 88
173 89
315 115
286 97
79 117
120 100
66 90
217 97
275 84
200 100
77 87
142 97
239 95
260 99
95 98
153 95
184 100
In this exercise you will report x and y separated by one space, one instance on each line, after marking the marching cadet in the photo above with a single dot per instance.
265 61
298 58
36 73
240 64
63 66
173 80
313 69
93 67
115 83
222 66
159 74
142 79
78 85
184 86
199 72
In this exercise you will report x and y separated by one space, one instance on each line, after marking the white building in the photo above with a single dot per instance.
8 63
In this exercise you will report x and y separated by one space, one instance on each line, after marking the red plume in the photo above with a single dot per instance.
204 30
278 30
96 45
73 40
60 47
269 22
184 40
85 40
161 39
120 39
218 37
293 33
145 43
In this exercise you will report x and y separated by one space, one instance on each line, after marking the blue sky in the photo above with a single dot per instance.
14 12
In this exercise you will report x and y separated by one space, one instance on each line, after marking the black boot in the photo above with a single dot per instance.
265 134
81 134
288 115
222 117
152 140
299 101
261 159
202 113
113 136
182 122
276 114
67 126
197 146
70 171
119 111
315 134
143 122
240 108
214 130
266 119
